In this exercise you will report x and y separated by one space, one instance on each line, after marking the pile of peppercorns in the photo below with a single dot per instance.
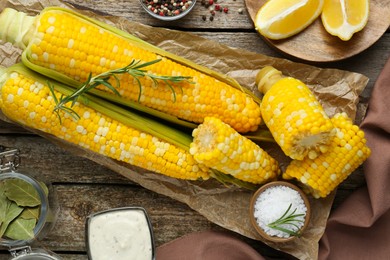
168 7
213 6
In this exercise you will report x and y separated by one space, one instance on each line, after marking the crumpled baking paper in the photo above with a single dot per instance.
337 90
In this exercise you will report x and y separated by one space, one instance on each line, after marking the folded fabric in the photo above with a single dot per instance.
358 229
207 245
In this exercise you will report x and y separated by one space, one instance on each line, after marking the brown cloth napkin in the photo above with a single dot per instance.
208 245
358 229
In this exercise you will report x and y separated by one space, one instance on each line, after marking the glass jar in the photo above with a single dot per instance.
48 208
120 233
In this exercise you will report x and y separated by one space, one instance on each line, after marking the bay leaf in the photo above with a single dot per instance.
3 203
21 192
31 213
45 188
21 229
12 212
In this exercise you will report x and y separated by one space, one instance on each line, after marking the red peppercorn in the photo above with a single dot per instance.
225 10
211 2
217 7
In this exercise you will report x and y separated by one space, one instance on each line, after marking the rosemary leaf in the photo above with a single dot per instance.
134 69
288 218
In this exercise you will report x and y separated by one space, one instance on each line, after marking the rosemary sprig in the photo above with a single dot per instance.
135 69
288 218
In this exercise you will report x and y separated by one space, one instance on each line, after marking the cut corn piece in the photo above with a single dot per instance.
347 151
294 116
220 147
26 99
68 47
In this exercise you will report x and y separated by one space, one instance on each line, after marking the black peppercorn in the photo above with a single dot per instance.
168 7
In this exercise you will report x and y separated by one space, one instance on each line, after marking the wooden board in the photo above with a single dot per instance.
315 44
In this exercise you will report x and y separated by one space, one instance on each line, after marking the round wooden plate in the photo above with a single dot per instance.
315 44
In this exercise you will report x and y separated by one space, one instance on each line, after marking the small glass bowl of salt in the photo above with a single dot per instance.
279 211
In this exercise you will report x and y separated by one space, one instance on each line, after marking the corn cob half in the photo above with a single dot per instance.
219 146
293 114
25 98
347 151
68 46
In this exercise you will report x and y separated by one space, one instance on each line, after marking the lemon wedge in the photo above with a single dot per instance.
279 19
343 18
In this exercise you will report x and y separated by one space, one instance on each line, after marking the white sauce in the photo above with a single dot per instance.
118 235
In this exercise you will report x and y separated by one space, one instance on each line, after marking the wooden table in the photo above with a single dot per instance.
84 187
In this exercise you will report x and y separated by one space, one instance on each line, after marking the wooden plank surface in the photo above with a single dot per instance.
321 46
83 186
132 10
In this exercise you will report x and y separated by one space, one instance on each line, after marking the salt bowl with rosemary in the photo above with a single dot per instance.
279 211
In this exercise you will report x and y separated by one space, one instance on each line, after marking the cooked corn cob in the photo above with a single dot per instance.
347 151
26 99
220 147
294 116
67 46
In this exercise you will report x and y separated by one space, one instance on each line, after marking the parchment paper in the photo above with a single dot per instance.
226 206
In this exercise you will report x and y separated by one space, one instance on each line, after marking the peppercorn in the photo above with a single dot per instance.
217 7
204 18
211 18
168 7
225 10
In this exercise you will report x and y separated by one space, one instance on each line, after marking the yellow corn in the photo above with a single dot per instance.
219 146
26 99
294 116
74 46
347 151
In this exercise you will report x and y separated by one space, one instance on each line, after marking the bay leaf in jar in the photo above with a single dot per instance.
19 209
21 192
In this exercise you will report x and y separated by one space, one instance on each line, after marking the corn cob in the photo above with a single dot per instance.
26 99
293 115
67 46
347 151
219 146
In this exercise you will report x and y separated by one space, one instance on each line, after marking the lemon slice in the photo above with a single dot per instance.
343 18
279 19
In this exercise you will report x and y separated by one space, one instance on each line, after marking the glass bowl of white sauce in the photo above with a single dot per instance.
120 233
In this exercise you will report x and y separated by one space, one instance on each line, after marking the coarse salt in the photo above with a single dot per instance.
271 204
